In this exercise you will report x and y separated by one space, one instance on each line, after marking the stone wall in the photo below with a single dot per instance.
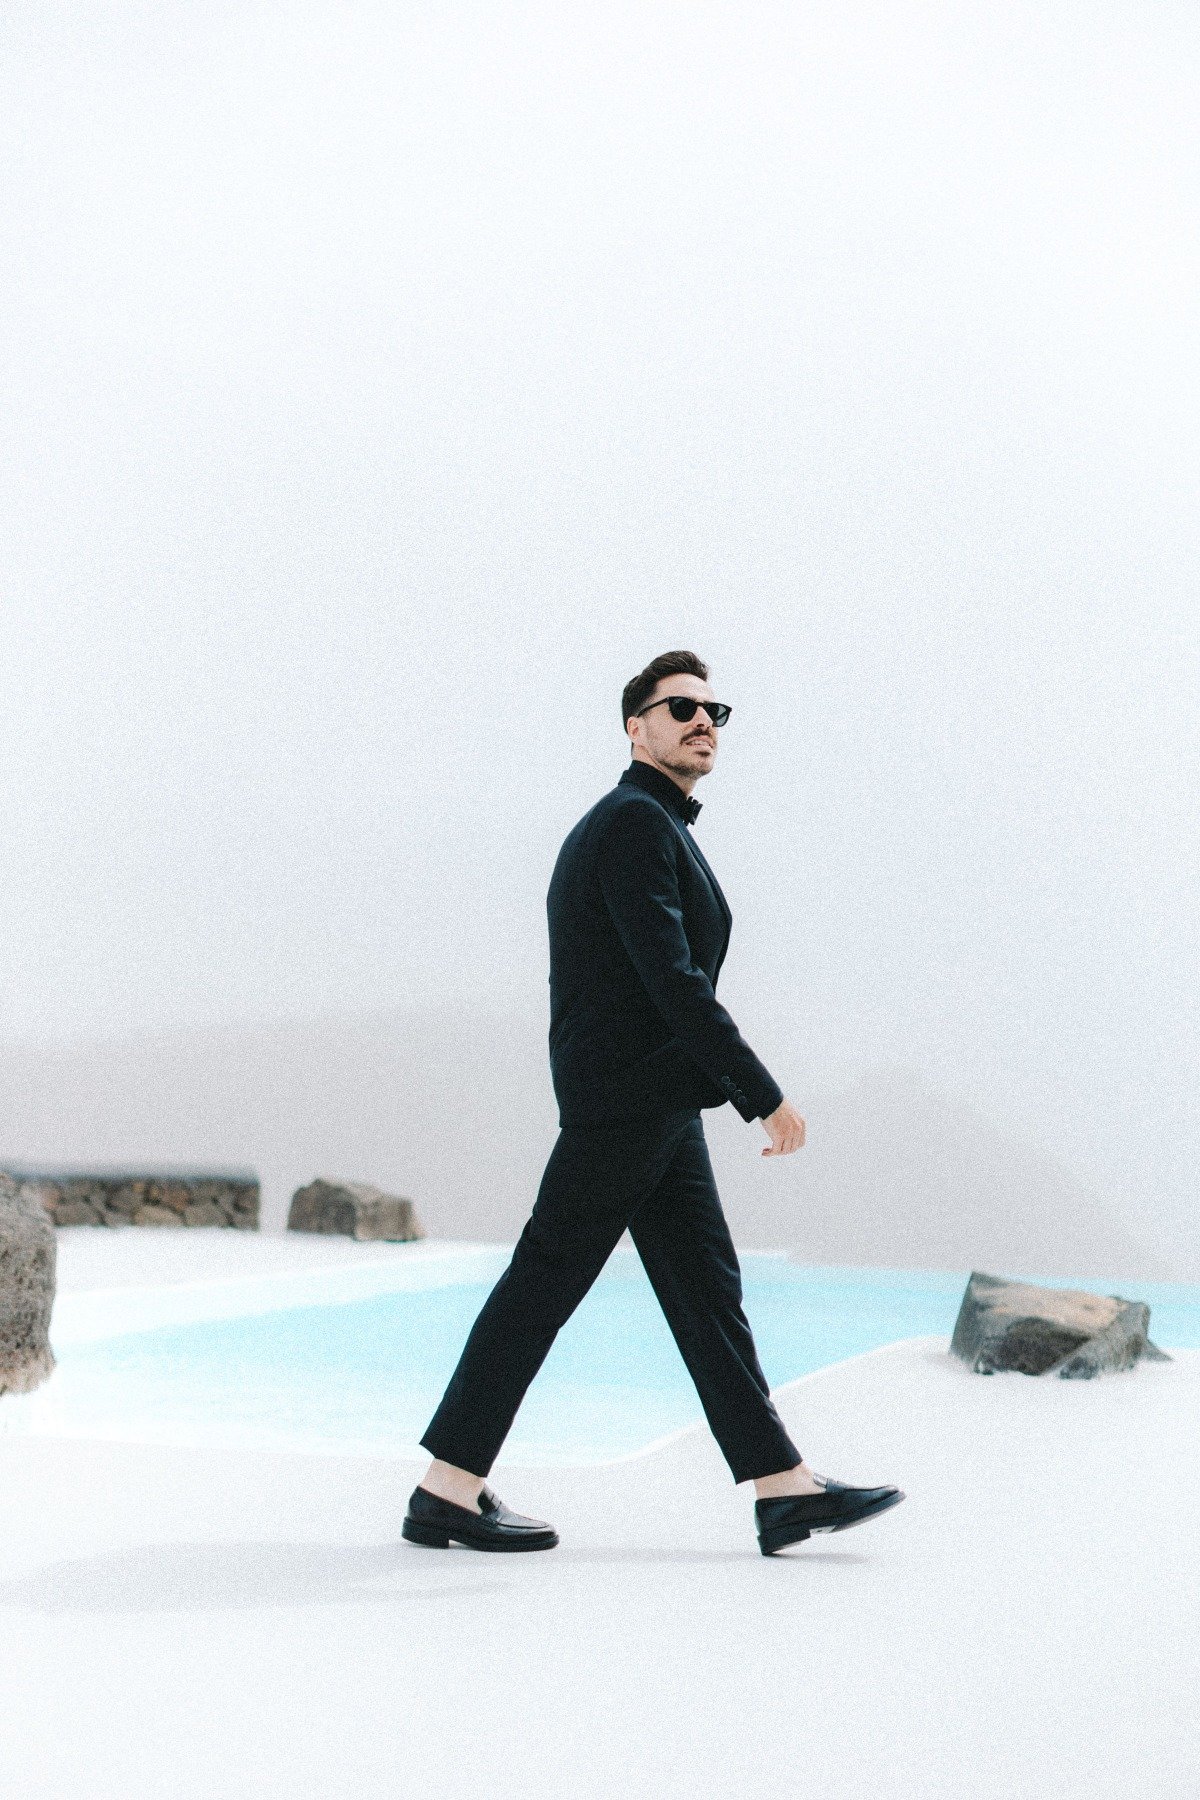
187 1197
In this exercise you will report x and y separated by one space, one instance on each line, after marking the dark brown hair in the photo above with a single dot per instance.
671 662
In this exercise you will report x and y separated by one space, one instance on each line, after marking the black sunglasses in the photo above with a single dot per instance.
684 709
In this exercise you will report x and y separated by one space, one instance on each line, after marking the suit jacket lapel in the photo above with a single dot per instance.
696 851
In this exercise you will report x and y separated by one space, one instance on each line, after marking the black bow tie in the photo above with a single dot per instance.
691 810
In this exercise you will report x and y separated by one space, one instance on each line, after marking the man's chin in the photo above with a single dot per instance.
694 765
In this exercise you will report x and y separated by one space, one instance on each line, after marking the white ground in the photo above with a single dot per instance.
179 1624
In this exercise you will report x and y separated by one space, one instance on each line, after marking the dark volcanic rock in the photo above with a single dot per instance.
1016 1325
27 1259
353 1209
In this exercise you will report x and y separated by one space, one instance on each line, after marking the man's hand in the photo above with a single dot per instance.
785 1128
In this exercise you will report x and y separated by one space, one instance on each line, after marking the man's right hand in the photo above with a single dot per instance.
785 1128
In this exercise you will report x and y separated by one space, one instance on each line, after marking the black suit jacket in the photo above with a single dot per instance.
639 928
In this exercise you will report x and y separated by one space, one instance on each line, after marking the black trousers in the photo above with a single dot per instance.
657 1179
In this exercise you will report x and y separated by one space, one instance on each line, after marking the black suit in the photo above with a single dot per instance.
639 1044
639 928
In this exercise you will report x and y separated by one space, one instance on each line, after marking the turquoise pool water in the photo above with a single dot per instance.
365 1374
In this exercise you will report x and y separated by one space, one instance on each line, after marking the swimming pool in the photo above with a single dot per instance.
354 1359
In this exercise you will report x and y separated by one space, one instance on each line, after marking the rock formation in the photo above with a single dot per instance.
27 1260
1016 1325
353 1209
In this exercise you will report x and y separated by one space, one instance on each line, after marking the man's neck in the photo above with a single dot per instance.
684 782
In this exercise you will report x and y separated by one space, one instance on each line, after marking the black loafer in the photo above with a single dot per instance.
793 1517
433 1522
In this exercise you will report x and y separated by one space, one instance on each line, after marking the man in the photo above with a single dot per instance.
639 1044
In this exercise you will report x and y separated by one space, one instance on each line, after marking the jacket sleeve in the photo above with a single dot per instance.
639 880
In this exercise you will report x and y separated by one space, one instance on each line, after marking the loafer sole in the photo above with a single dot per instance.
437 1537
781 1536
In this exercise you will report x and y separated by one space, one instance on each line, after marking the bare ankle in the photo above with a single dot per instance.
799 1480
448 1482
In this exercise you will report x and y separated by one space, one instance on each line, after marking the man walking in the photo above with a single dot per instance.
639 1044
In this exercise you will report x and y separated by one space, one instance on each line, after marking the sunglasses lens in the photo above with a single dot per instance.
683 709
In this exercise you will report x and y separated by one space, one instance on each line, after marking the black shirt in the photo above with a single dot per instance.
672 796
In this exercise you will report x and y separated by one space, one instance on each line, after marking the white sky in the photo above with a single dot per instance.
385 385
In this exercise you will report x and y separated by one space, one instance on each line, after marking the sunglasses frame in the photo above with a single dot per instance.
711 707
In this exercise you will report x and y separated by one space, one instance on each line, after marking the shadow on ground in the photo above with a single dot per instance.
229 1577
232 1577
